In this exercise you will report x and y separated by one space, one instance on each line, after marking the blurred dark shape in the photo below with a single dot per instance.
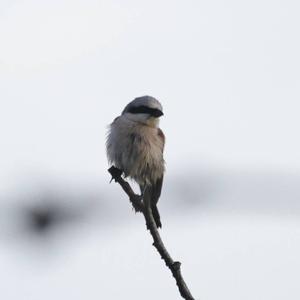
240 191
51 210
45 216
43 219
54 209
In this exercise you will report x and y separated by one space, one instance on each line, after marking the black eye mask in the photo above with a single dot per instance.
154 112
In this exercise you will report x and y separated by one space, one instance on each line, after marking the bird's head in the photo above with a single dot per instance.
145 109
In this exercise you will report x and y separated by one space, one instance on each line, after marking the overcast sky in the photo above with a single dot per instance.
226 72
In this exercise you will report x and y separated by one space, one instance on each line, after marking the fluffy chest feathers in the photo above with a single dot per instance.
137 149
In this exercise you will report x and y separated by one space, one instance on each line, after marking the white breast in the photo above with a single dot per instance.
136 149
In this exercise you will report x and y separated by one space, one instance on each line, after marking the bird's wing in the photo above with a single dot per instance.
157 186
162 137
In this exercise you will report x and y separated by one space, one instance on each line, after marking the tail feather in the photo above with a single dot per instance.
150 197
156 215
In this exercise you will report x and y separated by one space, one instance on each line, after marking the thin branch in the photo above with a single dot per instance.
145 209
135 199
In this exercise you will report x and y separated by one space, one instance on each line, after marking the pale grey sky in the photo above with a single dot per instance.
227 74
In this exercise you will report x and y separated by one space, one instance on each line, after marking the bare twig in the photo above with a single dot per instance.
135 199
145 208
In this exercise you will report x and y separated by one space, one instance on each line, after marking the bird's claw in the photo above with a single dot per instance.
137 198
115 173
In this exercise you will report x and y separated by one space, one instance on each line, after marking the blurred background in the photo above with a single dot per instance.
227 74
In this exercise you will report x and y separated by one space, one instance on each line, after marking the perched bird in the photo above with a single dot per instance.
135 145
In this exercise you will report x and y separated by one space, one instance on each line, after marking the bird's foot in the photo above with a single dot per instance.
115 173
136 201
137 198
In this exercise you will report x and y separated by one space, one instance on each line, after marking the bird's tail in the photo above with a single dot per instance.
156 215
150 200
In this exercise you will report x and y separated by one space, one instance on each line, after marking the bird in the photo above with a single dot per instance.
135 145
